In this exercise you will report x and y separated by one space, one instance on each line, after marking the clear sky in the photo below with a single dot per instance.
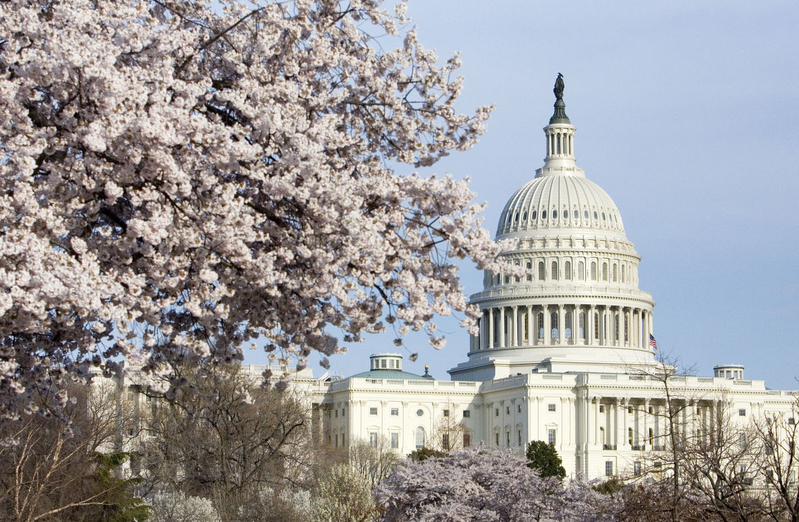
687 114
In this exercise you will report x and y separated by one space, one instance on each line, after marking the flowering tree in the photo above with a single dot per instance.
475 484
179 179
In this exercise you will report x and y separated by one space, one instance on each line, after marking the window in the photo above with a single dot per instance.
615 272
383 363
576 214
419 412
395 440
372 411
519 438
518 408
445 441
507 410
467 440
637 468
554 214
551 407
496 412
541 271
529 270
608 468
604 271
622 273
658 464
395 412
593 270
552 436
335 414
630 436
419 437
373 439
553 318
568 270
446 413
391 363
507 439
467 414
742 412
791 421
585 215
342 411
496 438
601 408
336 439
543 214
554 270
581 271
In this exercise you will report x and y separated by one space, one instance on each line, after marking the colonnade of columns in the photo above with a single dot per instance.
639 424
563 324
560 142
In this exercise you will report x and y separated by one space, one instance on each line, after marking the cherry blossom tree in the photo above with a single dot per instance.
180 179
475 484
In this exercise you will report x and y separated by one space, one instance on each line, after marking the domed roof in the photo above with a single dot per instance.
561 200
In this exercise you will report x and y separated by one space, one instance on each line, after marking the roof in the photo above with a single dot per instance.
387 374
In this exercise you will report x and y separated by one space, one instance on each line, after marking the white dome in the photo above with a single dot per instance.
563 200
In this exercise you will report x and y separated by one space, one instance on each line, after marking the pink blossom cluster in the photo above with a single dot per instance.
177 179
485 485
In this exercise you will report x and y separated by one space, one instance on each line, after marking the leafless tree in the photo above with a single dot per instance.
780 462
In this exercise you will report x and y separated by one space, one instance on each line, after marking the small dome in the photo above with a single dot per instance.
560 201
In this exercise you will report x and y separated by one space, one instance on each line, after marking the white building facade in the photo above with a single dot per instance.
565 354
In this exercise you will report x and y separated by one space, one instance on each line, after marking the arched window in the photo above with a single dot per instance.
518 263
567 328
616 327
525 328
541 271
529 270
596 325
419 438
630 436
651 437
582 325
626 328
553 318
581 271
615 269
604 271
540 320
593 270
554 270
602 435
622 273
576 214
568 270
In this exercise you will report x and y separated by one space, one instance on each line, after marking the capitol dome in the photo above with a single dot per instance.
578 308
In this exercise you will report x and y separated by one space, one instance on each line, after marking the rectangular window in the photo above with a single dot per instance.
637 468
507 439
550 407
496 438
373 439
507 410
658 464
383 363
445 441
446 413
336 439
467 440
466 414
372 411
519 408
601 408
552 436
608 468
336 414
742 412
791 421
342 411
519 440
496 412
395 412
395 440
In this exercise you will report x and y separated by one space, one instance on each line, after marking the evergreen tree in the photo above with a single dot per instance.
544 458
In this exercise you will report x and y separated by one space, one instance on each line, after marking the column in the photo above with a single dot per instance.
561 326
626 418
589 432
547 326
491 328
515 333
616 424
531 333
502 328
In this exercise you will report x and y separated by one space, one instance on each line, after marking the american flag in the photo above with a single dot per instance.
652 342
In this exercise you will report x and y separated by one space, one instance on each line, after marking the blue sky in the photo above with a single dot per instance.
687 114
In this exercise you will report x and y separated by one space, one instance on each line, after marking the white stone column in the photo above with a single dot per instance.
491 340
616 424
547 326
531 333
515 323
626 418
645 422
502 328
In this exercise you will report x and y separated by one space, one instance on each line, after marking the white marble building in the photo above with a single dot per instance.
565 354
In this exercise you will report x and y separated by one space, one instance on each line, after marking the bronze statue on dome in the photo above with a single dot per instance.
558 90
